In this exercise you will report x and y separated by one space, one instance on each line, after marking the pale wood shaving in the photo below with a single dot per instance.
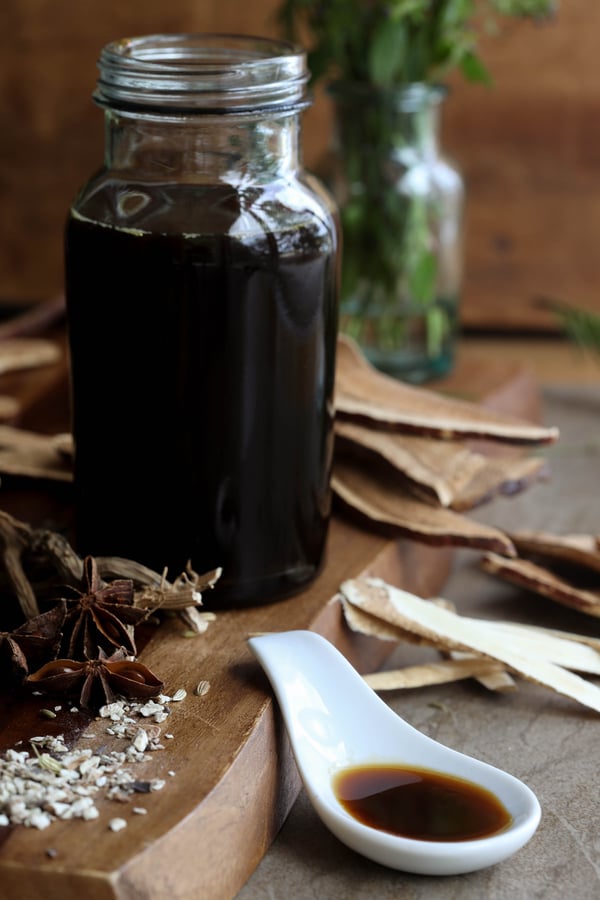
386 502
494 677
367 623
443 628
499 680
366 394
432 673
27 353
33 455
9 408
558 648
586 639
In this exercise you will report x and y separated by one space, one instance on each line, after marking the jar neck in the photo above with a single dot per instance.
203 148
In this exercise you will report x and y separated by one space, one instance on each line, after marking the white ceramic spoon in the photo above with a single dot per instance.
335 720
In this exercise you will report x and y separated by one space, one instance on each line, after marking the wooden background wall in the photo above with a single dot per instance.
529 147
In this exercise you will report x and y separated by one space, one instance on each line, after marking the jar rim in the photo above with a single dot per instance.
200 72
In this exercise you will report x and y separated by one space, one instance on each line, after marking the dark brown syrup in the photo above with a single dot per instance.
422 804
202 382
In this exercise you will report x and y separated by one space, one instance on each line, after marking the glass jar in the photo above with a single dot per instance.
401 205
201 270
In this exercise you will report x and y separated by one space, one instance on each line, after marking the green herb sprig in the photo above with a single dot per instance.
393 42
581 326
395 299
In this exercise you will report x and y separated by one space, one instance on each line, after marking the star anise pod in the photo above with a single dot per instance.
101 616
97 681
30 645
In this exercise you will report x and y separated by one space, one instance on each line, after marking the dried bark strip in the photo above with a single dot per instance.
363 393
493 679
500 476
578 549
527 574
440 469
17 354
557 647
442 627
500 680
382 501
432 673
9 408
446 472
33 455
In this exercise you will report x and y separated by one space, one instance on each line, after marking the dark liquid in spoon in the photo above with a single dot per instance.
420 803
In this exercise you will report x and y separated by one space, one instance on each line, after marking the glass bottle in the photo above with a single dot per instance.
401 206
201 269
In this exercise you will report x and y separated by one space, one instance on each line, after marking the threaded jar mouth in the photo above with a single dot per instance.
201 73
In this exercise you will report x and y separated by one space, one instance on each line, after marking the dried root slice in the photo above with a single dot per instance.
32 455
440 469
9 408
527 574
184 593
447 472
573 652
27 353
499 680
585 639
491 675
580 550
433 673
500 476
446 630
385 502
363 393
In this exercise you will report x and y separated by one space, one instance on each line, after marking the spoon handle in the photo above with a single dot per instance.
326 704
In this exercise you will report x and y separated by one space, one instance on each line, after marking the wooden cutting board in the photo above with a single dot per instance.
233 779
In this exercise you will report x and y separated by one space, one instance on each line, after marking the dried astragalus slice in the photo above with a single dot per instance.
540 580
362 393
444 629
431 673
27 353
492 675
382 500
32 455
